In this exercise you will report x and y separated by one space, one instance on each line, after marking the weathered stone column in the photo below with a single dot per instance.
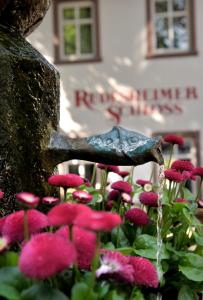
29 98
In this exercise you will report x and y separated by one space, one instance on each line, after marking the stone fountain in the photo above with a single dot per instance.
30 142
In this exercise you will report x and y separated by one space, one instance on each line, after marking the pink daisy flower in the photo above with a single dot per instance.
144 272
173 175
27 199
13 225
200 203
182 165
123 173
149 198
98 220
113 195
115 265
67 180
142 182
137 216
122 186
51 200
186 175
198 171
109 205
2 221
1 194
109 168
45 255
174 139
82 196
64 214
85 244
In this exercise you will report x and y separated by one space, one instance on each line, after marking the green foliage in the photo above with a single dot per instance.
41 291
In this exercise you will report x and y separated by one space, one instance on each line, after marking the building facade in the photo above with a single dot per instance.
133 63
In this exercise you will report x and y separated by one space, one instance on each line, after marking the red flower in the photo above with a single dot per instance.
45 255
115 265
173 175
174 139
13 225
198 171
82 196
2 221
144 272
108 168
85 243
3 243
137 216
182 165
123 173
27 199
64 214
109 205
149 198
1 194
181 200
67 180
186 175
51 200
122 186
142 182
113 195
98 220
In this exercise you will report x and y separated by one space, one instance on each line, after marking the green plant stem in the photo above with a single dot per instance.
93 174
170 155
64 195
103 187
199 190
25 226
94 265
132 293
118 228
130 178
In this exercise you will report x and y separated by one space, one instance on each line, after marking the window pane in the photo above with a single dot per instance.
162 38
85 12
179 5
69 39
86 38
69 13
161 7
180 33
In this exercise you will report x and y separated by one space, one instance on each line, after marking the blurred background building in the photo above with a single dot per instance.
133 63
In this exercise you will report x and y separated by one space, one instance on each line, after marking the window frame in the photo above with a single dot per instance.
60 58
156 53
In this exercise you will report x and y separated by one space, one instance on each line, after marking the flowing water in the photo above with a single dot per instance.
159 224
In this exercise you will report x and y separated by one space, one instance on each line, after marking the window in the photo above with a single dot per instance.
76 30
170 25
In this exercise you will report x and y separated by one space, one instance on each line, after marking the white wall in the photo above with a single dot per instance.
124 67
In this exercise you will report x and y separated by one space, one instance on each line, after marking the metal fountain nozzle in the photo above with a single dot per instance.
116 147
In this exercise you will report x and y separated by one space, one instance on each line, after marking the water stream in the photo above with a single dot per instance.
159 224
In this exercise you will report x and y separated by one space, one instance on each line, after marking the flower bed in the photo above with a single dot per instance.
102 244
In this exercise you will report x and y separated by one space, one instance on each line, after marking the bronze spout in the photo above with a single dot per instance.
117 147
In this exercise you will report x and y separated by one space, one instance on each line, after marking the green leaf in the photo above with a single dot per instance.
113 295
41 291
198 239
186 293
81 290
187 194
103 289
191 273
137 295
9 292
11 276
193 260
146 246
9 259
109 246
165 198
